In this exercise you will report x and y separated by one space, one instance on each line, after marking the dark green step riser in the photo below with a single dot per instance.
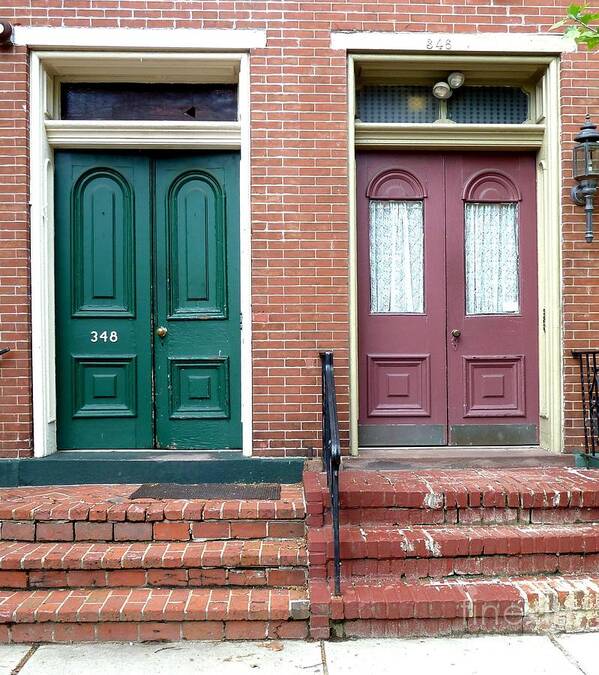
86 471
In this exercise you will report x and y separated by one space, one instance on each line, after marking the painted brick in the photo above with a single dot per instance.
125 578
211 530
13 579
21 531
170 632
286 529
133 531
117 632
37 632
286 577
203 630
246 630
162 577
166 531
54 531
86 531
248 529
74 632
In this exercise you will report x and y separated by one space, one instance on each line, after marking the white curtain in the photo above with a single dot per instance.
492 258
396 256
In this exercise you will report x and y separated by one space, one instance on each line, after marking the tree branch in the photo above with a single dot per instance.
585 26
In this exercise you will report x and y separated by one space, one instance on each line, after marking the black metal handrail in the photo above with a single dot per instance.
588 360
331 452
5 350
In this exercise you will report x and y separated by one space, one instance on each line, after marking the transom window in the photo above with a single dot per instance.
147 101
404 104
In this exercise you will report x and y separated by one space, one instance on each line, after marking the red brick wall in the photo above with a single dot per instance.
299 190
15 368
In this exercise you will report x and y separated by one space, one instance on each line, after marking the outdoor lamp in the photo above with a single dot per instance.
442 90
585 160
456 79
5 33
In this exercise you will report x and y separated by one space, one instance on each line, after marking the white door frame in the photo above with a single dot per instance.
48 132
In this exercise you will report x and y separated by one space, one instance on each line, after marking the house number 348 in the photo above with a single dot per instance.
104 336
439 43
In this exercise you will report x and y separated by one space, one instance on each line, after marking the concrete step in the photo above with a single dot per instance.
404 609
375 551
212 563
152 614
518 496
452 457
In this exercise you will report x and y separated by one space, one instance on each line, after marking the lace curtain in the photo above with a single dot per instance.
396 256
492 258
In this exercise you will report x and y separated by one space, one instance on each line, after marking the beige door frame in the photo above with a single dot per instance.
541 133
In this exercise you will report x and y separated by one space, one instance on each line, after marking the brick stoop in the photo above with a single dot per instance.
456 551
454 607
88 563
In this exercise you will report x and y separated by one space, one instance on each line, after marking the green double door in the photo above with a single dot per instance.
147 300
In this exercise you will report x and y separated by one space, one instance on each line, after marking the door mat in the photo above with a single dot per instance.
207 491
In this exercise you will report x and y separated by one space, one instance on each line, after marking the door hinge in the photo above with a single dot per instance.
544 320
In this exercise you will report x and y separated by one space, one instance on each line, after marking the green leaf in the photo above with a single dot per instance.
591 43
573 32
574 11
558 24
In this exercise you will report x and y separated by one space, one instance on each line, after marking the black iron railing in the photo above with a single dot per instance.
588 360
5 350
331 452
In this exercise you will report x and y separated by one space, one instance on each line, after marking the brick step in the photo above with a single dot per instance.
467 567
462 516
211 563
438 551
522 496
151 614
390 542
106 513
166 530
532 605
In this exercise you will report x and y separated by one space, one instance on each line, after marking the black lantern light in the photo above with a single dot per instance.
5 33
586 171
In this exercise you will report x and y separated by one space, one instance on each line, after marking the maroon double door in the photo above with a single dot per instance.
447 299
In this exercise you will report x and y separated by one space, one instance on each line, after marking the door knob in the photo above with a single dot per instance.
455 333
161 331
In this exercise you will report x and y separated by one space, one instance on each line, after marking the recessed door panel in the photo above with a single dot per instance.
195 211
105 387
102 236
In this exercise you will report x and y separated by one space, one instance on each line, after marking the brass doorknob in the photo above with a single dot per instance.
161 331
456 333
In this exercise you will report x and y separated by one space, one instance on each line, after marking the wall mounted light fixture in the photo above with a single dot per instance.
444 90
5 33
456 79
585 166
